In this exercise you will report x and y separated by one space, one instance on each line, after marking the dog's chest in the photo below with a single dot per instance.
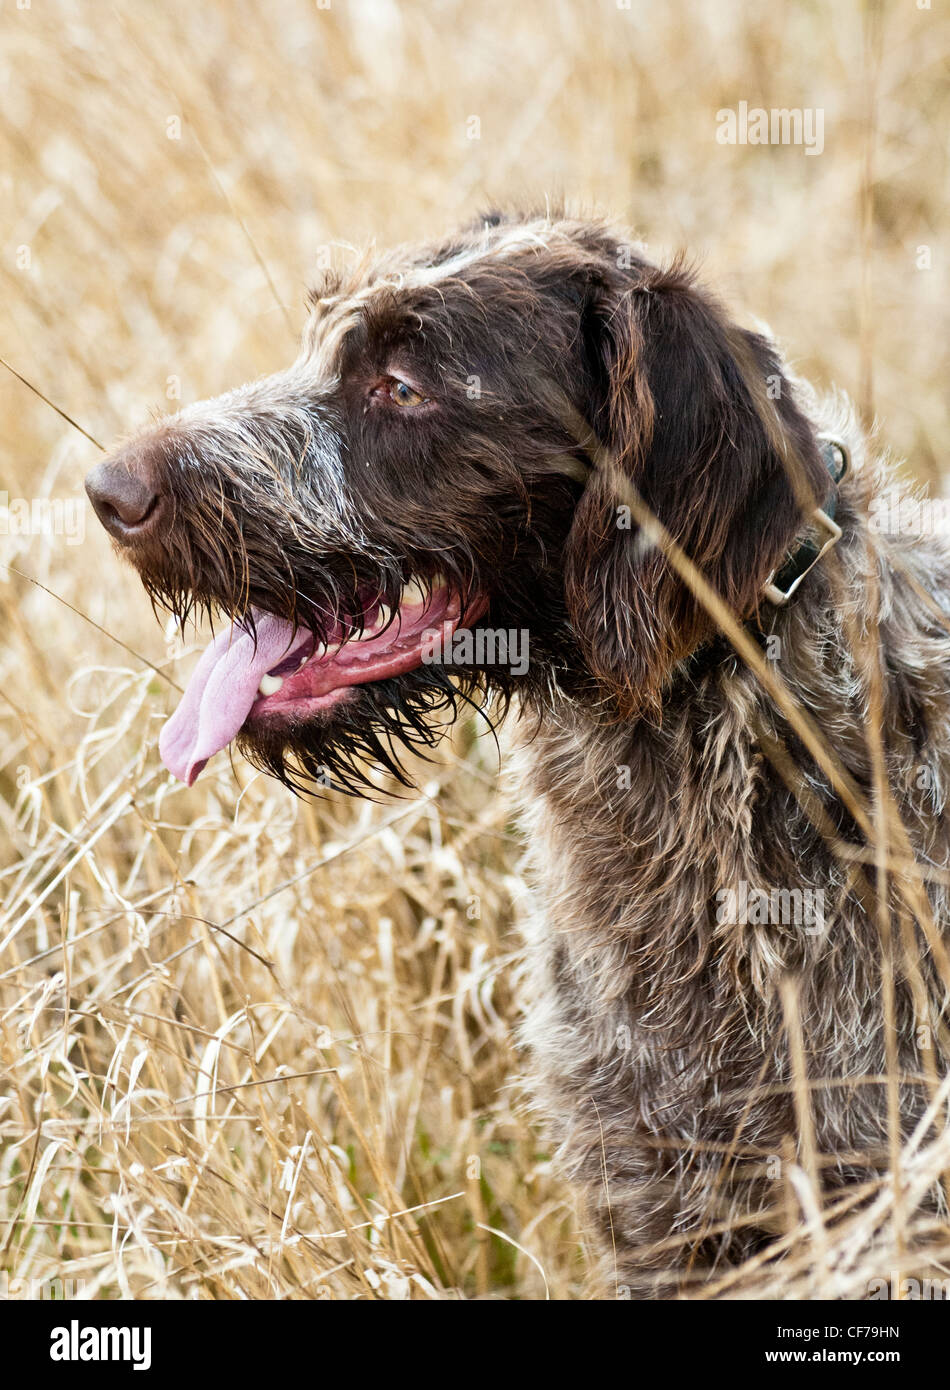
627 995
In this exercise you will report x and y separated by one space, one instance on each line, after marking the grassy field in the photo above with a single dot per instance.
257 1048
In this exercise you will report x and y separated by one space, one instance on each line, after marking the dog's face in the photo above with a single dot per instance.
405 517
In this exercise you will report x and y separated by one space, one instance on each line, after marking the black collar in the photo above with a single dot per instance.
823 532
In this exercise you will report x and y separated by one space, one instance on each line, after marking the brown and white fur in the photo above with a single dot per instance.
677 1055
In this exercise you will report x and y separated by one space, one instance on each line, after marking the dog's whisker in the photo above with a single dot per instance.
531 468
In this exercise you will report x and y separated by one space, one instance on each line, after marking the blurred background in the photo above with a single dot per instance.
253 1047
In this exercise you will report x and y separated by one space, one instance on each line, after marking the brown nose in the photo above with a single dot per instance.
125 495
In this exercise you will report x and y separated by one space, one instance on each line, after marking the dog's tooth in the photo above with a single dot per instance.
270 684
412 594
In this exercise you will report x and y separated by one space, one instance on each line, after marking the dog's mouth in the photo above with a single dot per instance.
268 670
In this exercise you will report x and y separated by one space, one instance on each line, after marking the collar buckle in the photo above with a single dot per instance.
832 536
785 578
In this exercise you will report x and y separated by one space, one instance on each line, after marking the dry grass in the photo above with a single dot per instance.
257 1048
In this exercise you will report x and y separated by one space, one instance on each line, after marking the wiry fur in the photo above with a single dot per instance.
655 769
659 1038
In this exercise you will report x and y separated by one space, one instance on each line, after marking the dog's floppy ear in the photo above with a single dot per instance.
699 416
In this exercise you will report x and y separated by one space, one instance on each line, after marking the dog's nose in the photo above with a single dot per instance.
125 495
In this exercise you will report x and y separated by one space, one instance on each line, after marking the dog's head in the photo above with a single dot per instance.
409 515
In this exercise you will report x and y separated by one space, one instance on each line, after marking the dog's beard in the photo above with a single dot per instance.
365 742
193 589
378 726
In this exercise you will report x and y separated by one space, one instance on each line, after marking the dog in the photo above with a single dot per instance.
732 745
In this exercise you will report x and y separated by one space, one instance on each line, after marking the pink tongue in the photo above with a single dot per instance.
219 695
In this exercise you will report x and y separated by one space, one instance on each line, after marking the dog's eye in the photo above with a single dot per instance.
403 394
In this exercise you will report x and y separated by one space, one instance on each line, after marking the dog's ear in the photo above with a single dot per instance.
697 414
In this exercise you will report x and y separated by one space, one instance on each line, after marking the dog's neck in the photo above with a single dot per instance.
692 800
821 534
